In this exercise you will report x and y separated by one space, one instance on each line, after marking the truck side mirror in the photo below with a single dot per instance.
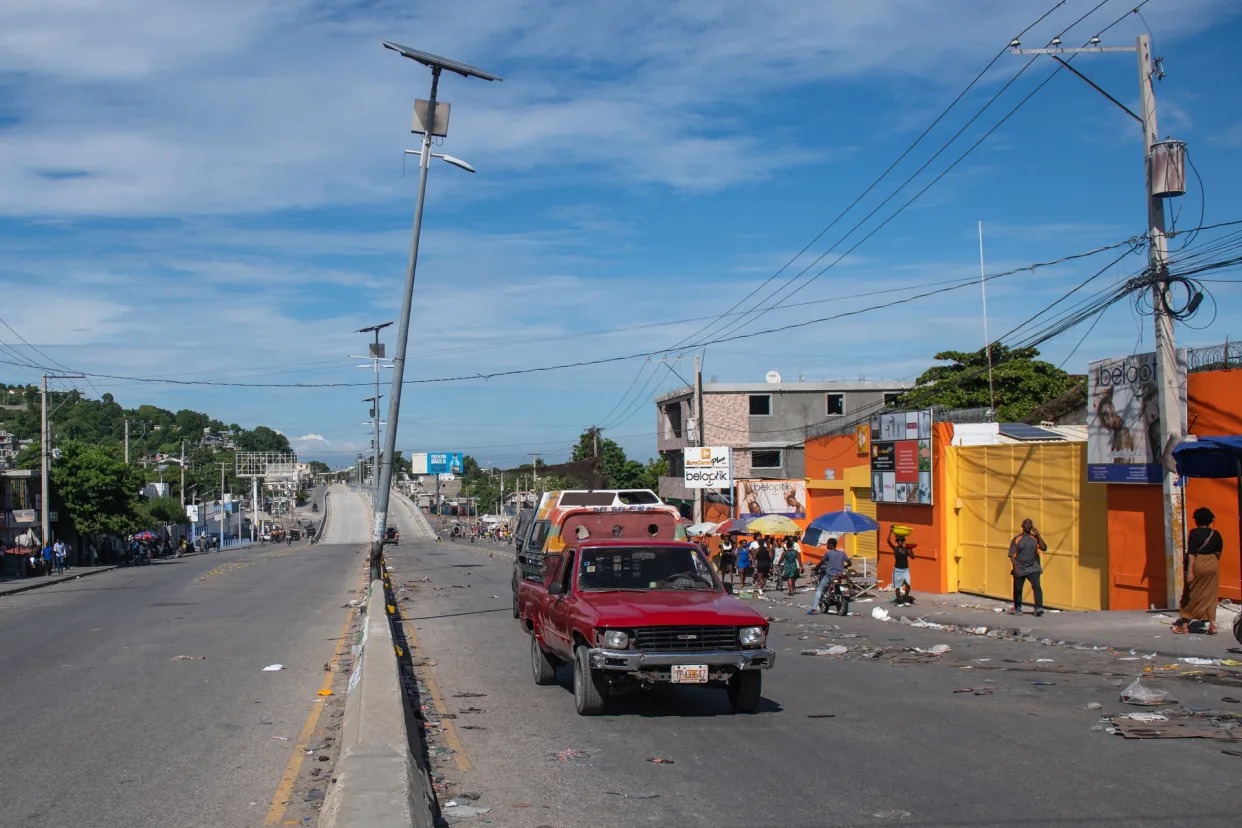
556 589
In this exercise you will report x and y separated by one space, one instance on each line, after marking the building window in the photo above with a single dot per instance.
891 398
766 459
672 421
835 404
761 405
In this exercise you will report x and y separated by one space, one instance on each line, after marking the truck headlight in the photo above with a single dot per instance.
752 636
616 640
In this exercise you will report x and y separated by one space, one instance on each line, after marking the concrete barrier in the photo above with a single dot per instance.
378 781
422 526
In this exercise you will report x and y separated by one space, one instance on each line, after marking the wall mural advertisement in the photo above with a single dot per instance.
756 498
901 457
1123 418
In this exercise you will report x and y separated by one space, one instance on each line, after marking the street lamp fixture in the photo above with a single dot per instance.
432 121
449 159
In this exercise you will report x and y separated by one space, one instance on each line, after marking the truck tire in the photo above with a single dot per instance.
590 687
516 609
745 691
543 666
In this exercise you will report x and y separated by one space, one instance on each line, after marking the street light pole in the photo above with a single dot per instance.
434 123
45 452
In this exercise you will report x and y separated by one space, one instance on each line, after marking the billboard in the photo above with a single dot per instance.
1123 418
901 457
437 462
708 467
771 497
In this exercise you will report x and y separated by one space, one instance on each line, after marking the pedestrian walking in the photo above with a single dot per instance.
744 559
728 557
1024 552
902 553
1204 545
60 553
762 559
47 559
790 564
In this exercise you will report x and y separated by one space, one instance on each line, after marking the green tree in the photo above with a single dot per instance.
617 470
262 438
1020 381
99 490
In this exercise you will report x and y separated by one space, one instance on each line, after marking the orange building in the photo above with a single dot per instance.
1136 513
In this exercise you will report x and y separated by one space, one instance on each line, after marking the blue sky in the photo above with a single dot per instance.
213 192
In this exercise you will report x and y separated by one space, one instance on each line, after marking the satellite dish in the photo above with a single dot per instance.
772 378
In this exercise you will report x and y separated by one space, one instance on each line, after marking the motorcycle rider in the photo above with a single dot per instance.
833 566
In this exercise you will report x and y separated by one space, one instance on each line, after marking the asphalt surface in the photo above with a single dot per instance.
104 725
846 740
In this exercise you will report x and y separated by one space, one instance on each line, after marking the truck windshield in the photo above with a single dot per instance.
645 568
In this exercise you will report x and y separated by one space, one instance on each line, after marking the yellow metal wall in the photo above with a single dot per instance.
864 543
997 487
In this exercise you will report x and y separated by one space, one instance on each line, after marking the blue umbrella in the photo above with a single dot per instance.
836 523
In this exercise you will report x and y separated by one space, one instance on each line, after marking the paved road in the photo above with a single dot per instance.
902 748
104 726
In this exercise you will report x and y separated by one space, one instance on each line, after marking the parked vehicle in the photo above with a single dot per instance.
631 606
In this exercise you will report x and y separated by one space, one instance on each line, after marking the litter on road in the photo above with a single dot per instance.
272 668
1140 694
656 760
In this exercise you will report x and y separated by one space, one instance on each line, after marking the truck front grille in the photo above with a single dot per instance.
674 639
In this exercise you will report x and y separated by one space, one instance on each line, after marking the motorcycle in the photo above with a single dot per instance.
836 598
138 556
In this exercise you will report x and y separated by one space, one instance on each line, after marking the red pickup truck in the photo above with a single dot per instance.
629 613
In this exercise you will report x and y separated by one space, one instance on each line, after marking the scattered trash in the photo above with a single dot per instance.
472 710
656 760
1094 706
325 692
1146 717
314 795
1043 661
939 649
281 738
834 650
272 668
187 658
1139 694
639 795
1231 700
469 695
1044 683
1201 662
879 614
821 715
571 753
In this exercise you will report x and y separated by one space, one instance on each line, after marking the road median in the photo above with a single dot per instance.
379 783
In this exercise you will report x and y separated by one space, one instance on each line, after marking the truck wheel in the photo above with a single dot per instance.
542 664
516 609
745 691
590 686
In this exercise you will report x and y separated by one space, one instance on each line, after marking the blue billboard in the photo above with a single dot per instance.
445 462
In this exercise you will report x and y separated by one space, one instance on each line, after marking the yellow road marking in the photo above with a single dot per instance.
450 731
276 811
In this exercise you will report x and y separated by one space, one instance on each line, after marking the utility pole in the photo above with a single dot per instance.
222 523
1168 377
45 453
377 354
126 432
534 471
183 475
1172 417
699 428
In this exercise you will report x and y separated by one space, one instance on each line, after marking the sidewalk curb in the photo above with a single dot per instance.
378 782
41 584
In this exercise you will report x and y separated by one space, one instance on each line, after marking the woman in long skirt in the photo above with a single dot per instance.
1203 545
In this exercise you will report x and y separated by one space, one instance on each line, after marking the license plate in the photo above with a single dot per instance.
690 674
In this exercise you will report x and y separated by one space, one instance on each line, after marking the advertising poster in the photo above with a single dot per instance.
771 497
1123 418
708 467
901 457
